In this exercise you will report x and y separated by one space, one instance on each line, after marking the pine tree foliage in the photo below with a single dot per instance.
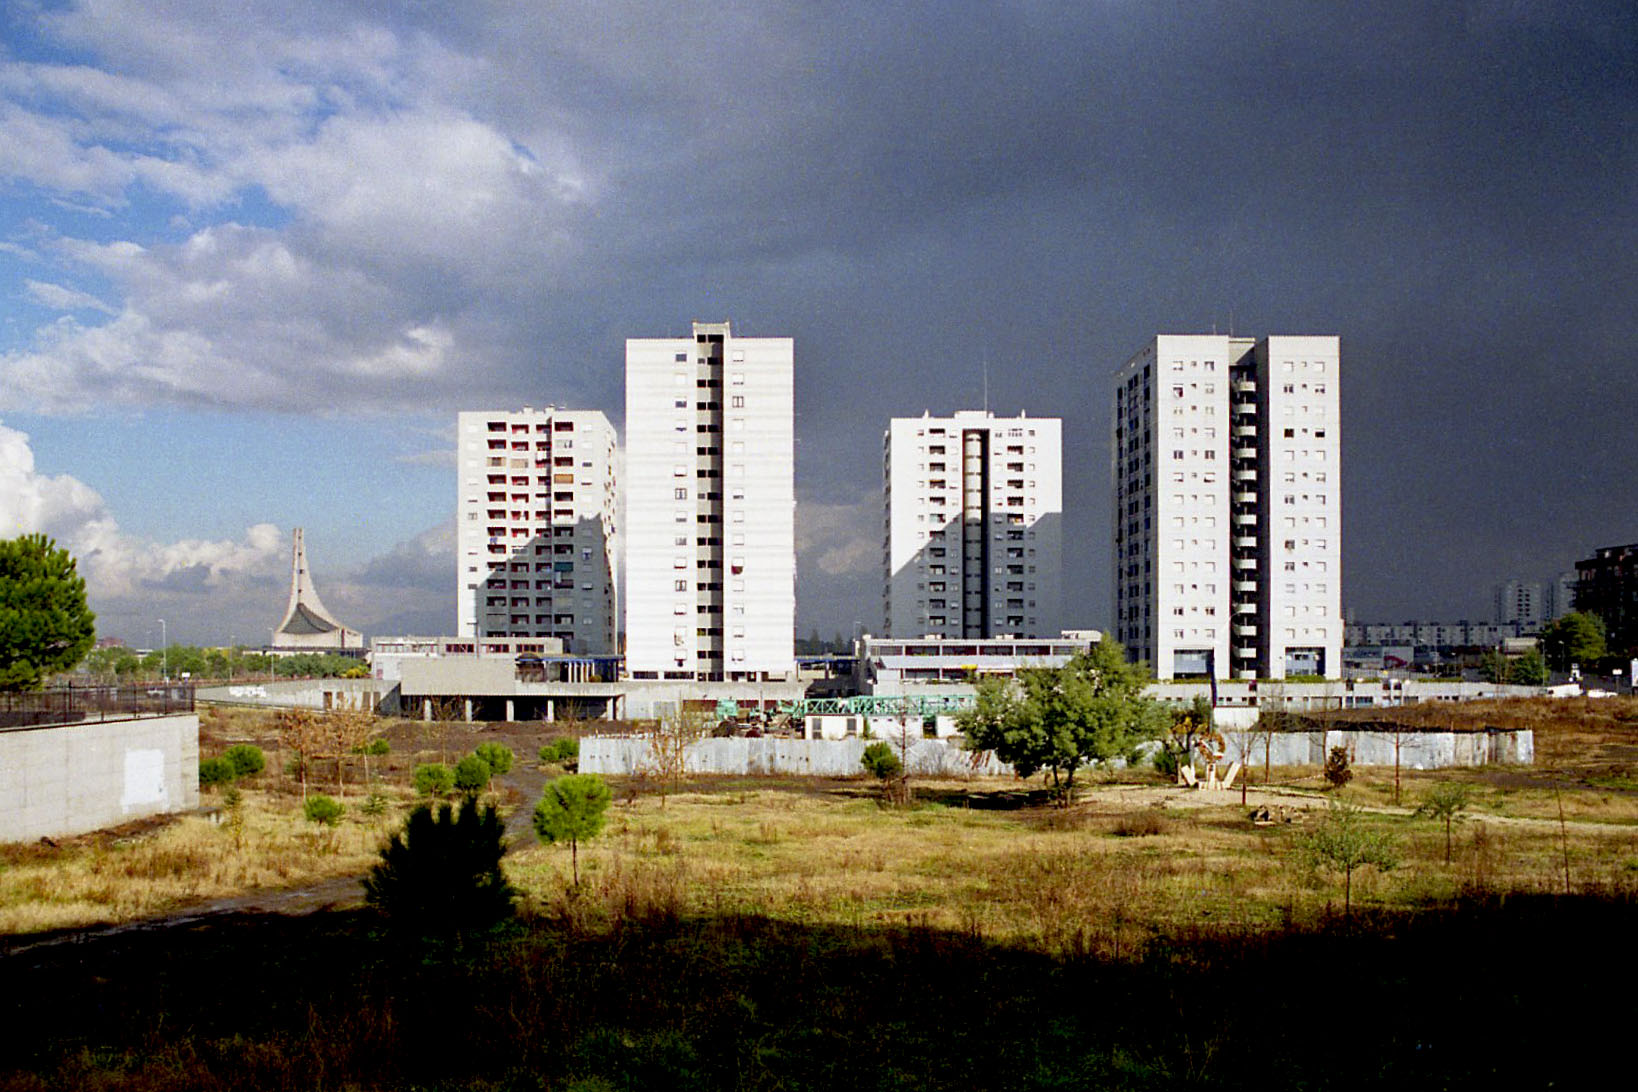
441 874
1058 719
45 624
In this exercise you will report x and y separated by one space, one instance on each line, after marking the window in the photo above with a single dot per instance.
737 402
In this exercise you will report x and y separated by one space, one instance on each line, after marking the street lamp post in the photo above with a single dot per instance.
164 653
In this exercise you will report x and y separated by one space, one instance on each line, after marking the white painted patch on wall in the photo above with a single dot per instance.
144 778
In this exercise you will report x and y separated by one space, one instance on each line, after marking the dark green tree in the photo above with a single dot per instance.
1493 667
1530 669
498 756
572 809
45 624
441 874
471 775
1576 638
1058 719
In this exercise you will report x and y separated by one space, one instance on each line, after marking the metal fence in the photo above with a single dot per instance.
80 704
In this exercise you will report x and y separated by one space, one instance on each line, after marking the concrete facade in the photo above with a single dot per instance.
710 507
537 537
972 543
67 779
1227 531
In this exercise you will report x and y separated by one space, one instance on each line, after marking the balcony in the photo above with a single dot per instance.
1245 564
1245 453
1245 543
1245 585
1247 474
1245 431
1245 498
1245 519
1245 631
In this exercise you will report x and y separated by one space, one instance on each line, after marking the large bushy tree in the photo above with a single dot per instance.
1576 638
1058 719
45 624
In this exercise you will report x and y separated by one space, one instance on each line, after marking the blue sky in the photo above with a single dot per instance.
254 258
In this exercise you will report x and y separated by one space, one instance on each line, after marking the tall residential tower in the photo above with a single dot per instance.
972 542
536 541
1227 486
710 506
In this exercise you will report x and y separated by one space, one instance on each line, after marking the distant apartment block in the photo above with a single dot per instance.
1227 530
972 542
1560 597
1520 601
536 527
710 507
1607 586
1441 635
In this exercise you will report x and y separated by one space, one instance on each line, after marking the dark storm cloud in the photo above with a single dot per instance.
920 193
914 192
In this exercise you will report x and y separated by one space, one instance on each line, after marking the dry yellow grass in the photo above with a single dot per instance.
188 860
1087 879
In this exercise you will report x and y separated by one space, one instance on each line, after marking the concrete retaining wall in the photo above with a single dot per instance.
624 755
306 694
1417 750
68 779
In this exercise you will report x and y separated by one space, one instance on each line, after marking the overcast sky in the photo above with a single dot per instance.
255 256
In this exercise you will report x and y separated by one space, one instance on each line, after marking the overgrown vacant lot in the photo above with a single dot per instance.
795 934
989 858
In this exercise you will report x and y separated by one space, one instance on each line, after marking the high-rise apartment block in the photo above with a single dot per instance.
972 542
1227 486
536 536
1520 601
710 524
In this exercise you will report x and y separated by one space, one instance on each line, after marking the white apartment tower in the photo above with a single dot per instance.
1227 486
973 531
710 507
536 531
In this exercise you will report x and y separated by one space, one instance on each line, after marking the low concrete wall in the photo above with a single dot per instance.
624 755
1417 750
306 694
68 779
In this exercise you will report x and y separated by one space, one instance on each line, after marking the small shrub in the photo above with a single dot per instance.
375 805
560 751
880 761
322 810
1141 824
434 779
471 775
376 748
247 759
215 771
497 756
1338 769
1166 762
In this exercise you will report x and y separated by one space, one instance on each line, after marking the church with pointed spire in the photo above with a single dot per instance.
307 626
